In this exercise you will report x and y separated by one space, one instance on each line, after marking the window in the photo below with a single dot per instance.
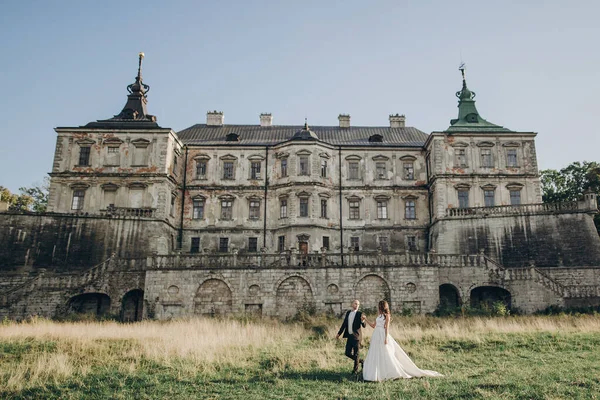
226 209
354 209
84 156
172 210
460 157
77 203
283 208
140 152
411 243
112 156
223 245
252 245
382 209
409 171
201 169
304 169
383 243
198 209
254 209
354 243
353 170
255 170
380 172
227 169
511 157
195 247
304 207
175 165
488 197
323 208
409 210
284 171
463 199
281 244
486 158
326 242
323 168
515 197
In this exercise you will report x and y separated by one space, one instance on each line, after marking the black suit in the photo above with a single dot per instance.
354 339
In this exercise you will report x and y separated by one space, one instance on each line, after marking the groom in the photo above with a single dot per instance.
351 330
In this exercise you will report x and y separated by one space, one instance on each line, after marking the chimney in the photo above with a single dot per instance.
214 118
266 119
397 121
344 120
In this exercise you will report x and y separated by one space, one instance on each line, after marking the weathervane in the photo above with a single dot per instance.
462 68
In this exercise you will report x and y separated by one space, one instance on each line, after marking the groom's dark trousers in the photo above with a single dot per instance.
354 339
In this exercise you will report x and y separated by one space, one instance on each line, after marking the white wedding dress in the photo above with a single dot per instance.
389 361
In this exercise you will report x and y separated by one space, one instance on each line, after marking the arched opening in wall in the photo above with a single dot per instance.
370 290
96 304
449 297
486 296
132 306
294 295
213 298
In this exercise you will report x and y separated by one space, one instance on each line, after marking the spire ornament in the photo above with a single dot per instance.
139 87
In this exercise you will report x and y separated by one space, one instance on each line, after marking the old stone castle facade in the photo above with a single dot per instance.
144 221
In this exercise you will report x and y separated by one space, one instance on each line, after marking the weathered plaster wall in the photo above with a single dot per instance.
549 240
65 242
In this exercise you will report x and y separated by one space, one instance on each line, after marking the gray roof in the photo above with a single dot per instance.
201 134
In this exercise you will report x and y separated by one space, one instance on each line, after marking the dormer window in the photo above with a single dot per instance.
376 138
232 137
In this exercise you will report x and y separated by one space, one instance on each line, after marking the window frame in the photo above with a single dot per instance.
486 197
410 208
201 165
353 170
198 205
354 209
254 209
355 243
515 191
78 205
226 204
408 172
284 167
283 208
255 170
303 165
281 243
324 208
487 158
382 209
303 207
465 193
510 161
223 245
228 173
87 158
252 245
195 245
380 170
326 243
323 167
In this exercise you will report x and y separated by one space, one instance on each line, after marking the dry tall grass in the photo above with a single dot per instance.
52 351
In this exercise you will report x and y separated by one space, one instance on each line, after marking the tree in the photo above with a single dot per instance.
569 183
33 199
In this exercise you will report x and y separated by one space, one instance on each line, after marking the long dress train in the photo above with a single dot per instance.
389 361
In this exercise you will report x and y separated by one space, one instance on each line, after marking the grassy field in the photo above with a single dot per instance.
488 358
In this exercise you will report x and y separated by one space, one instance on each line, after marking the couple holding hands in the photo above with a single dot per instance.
385 358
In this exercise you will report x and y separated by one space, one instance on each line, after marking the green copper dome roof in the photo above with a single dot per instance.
469 119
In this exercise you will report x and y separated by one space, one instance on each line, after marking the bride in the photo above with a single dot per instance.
386 359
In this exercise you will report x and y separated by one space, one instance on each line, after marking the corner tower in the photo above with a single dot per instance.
126 165
475 163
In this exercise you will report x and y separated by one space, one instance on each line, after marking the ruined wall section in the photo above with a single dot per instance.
547 239
64 242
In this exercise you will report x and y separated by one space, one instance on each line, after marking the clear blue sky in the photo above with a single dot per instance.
535 66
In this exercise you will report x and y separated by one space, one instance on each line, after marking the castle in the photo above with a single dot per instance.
218 219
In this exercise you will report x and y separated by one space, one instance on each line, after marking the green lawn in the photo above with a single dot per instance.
492 365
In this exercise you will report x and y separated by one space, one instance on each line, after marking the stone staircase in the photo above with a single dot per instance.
43 281
531 273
